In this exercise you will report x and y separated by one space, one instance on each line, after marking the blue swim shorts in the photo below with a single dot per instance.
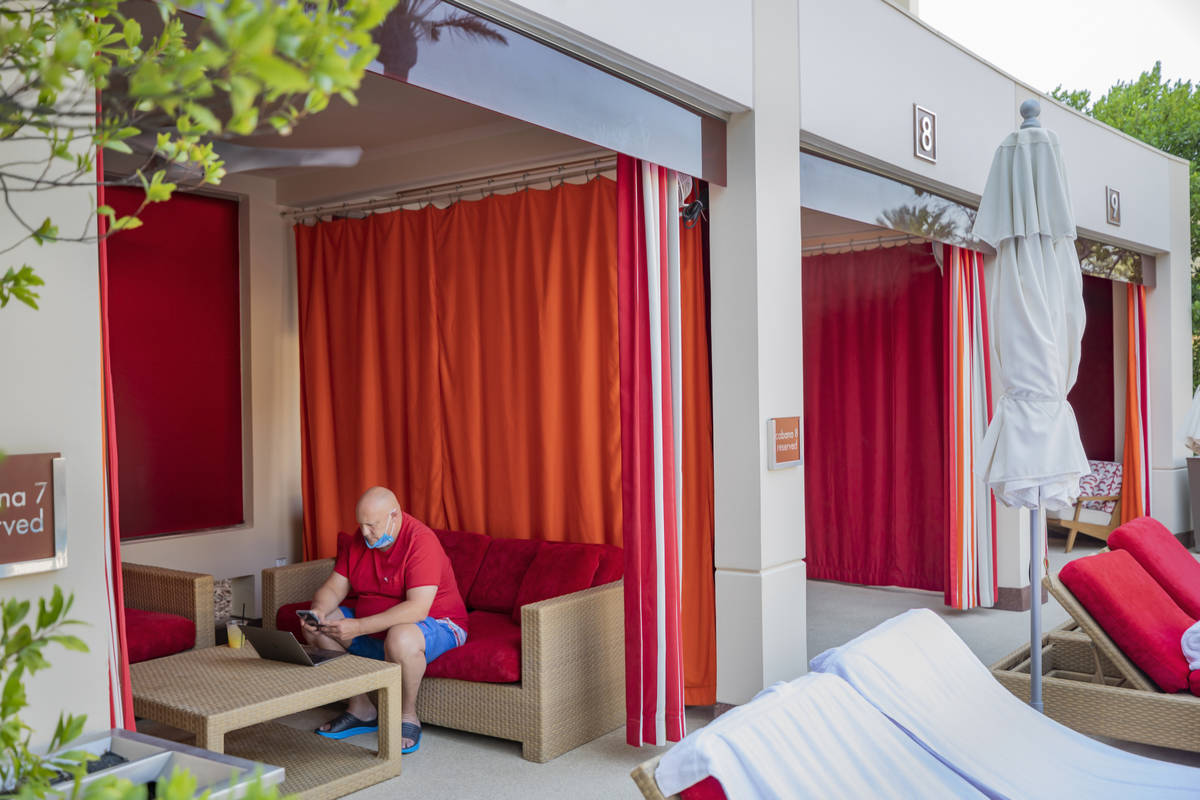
441 635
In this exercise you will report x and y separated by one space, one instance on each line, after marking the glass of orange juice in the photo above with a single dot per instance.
233 629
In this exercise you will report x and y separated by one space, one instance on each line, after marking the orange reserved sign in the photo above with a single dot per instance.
26 507
785 439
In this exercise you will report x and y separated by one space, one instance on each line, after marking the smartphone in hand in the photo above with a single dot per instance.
309 617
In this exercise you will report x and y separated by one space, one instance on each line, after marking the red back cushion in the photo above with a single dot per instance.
612 565
559 568
500 574
152 634
466 552
1167 561
1134 610
286 619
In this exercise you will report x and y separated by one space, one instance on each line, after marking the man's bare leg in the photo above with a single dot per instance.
405 645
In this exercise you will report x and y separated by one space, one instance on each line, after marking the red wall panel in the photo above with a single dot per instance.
1093 397
176 364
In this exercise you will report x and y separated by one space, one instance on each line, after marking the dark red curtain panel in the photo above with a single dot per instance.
874 418
1093 397
176 364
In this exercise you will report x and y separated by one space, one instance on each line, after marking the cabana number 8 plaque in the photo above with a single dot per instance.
784 436
33 513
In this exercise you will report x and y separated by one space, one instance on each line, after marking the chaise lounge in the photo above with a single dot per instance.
544 661
821 736
1116 669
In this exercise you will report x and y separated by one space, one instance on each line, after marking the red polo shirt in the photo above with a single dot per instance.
379 579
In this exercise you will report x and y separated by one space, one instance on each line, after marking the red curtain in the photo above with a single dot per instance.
178 395
1092 397
874 418
468 358
120 694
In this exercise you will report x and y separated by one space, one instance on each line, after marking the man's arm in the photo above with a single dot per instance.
414 608
331 594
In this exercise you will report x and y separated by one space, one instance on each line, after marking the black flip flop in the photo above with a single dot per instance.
348 725
410 730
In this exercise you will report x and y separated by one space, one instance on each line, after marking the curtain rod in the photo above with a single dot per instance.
856 245
515 180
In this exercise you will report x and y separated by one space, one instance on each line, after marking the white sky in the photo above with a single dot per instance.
1082 44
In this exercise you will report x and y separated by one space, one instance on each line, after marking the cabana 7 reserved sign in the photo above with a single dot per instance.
784 433
32 513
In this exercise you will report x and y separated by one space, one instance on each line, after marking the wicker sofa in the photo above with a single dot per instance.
549 673
166 611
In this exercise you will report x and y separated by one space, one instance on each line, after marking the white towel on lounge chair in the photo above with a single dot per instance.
812 738
916 671
1191 646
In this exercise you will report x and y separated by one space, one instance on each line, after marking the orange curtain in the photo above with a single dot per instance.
698 604
468 358
1135 462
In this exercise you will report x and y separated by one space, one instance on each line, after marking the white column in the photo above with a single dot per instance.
1169 330
757 374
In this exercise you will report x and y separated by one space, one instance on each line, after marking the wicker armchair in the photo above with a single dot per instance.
572 687
172 591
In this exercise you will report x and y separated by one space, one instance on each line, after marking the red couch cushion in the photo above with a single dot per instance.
1134 610
466 552
152 634
1167 561
612 565
491 654
558 568
500 574
286 619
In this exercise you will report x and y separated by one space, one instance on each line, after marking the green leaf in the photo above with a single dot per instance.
70 642
133 33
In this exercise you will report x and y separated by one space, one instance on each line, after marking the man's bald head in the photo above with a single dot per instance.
376 513
376 501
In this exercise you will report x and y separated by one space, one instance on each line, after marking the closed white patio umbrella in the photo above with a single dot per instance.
1032 456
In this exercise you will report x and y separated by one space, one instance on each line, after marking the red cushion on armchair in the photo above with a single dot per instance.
152 634
491 654
558 568
286 619
1168 562
1134 610
500 574
466 552
612 565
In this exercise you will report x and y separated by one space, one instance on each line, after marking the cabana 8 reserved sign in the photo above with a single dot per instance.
33 534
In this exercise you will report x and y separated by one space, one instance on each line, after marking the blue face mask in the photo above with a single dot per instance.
386 539
382 541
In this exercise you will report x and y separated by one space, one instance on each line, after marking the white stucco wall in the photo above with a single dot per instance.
271 379
51 402
860 109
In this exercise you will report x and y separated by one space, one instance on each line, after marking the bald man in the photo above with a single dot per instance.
392 596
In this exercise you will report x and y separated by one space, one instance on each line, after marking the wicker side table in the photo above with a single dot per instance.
228 697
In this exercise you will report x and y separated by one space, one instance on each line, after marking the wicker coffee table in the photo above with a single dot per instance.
228 697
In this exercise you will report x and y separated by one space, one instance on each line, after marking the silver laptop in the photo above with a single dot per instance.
283 646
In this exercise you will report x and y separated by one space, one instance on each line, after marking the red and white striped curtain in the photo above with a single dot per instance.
1135 485
120 695
651 447
971 543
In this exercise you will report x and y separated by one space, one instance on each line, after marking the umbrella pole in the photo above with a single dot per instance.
1035 609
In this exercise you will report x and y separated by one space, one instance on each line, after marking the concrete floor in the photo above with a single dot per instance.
452 765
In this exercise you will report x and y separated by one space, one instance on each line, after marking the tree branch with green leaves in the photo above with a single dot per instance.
77 76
